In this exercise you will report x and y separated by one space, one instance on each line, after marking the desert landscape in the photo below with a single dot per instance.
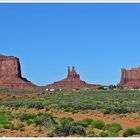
69 107
69 70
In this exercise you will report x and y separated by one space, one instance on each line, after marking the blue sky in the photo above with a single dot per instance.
98 39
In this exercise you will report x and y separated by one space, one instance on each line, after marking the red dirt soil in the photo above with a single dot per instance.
125 121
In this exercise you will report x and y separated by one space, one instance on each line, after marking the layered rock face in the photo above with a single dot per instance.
130 78
10 74
71 81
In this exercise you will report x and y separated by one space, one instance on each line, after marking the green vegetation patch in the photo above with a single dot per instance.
103 134
25 116
98 124
5 120
66 127
85 122
137 129
39 119
44 120
113 129
129 132
66 120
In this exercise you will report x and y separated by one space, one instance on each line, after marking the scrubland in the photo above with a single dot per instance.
69 113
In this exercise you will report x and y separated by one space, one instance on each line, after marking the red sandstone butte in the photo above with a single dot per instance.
10 74
130 78
71 81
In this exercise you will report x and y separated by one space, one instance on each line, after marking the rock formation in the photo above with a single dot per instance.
71 81
130 78
10 74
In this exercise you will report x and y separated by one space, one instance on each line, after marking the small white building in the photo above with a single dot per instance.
52 89
47 89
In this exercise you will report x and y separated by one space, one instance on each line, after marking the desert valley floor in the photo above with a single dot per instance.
69 113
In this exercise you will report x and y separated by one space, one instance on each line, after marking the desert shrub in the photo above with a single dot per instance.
98 124
5 120
29 122
137 129
25 116
44 120
66 120
129 132
41 106
103 134
19 126
66 130
52 131
22 129
91 134
8 125
85 122
38 128
106 111
13 103
36 105
75 129
120 110
39 119
117 126
114 129
6 115
32 103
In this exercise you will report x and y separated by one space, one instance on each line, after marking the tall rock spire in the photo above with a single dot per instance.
71 81
68 71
